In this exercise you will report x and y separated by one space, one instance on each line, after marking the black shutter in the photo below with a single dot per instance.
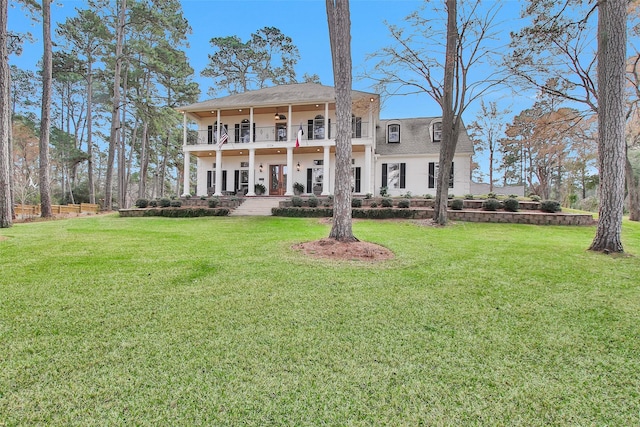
432 172
403 172
254 131
236 132
384 175
310 129
309 180
224 180
329 129
236 179
210 134
451 177
209 179
358 179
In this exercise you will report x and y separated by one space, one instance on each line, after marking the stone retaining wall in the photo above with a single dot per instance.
537 218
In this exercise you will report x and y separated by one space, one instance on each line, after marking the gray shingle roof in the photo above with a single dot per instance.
298 93
415 138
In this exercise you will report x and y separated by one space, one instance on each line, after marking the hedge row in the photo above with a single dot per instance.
355 213
186 212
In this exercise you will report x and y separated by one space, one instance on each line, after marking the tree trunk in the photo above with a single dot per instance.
45 117
450 123
5 121
122 146
115 109
633 190
92 190
339 21
491 170
612 41
144 162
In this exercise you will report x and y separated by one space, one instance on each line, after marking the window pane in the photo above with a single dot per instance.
393 175
437 131
394 133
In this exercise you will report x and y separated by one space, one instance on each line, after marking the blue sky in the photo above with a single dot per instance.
302 20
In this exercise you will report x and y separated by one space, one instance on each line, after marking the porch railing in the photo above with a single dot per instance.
273 134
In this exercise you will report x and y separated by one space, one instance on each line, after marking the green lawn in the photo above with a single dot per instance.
215 321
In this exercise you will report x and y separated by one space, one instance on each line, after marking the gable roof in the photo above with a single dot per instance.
297 93
415 138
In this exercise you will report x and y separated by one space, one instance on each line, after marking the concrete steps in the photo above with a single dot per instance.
257 206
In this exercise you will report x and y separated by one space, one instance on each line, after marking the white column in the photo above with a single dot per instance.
218 186
368 181
187 173
252 172
289 191
290 130
187 157
218 126
326 121
251 125
325 170
184 129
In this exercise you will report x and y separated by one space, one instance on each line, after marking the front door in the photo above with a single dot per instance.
277 180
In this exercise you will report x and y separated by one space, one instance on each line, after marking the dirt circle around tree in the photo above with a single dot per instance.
355 251
328 248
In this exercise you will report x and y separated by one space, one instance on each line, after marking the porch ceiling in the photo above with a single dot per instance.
263 110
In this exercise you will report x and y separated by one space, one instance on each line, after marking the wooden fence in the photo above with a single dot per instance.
34 210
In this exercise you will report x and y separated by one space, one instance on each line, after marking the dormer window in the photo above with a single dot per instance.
436 132
393 134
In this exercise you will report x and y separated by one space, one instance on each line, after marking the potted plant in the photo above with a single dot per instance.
260 189
298 188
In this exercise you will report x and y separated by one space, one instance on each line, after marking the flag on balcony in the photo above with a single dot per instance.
299 138
223 136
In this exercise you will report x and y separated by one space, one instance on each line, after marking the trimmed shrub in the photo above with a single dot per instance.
535 197
492 195
384 192
213 203
164 202
550 206
468 196
259 189
187 213
457 204
142 203
356 203
368 196
153 203
387 202
176 203
428 196
491 204
511 204
313 202
302 212
296 202
404 203
374 204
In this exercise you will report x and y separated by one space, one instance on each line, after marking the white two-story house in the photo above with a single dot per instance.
285 134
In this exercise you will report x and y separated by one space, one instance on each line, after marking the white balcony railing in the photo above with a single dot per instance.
263 134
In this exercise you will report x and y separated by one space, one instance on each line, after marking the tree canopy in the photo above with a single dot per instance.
267 58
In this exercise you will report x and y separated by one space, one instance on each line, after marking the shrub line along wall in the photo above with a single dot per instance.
535 218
